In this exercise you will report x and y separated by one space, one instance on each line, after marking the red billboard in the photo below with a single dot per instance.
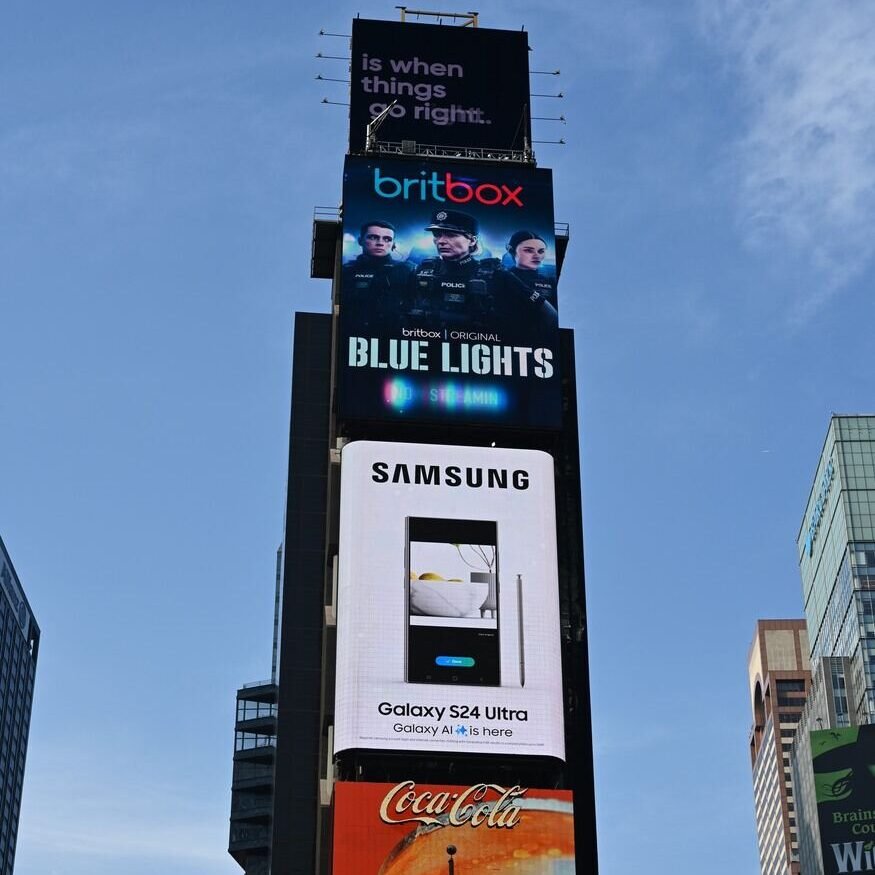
428 829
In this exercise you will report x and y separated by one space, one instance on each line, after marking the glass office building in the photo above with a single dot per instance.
836 550
249 840
19 645
826 707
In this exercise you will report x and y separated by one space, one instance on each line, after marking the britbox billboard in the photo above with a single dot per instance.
455 86
448 605
448 294
844 783
427 829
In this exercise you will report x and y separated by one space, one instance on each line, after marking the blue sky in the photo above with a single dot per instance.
159 164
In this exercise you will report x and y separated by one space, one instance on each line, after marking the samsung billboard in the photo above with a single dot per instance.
448 606
428 829
452 86
448 304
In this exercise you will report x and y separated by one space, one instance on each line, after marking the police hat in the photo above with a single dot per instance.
455 221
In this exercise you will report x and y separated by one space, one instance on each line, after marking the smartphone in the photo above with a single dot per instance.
452 622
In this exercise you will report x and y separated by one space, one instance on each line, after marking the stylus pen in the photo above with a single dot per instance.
519 601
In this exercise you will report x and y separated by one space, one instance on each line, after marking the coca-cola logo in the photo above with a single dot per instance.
489 804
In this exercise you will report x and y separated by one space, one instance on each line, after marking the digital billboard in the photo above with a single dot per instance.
455 86
426 829
844 784
448 307
447 601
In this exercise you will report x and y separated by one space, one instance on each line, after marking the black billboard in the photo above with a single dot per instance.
455 86
448 294
844 783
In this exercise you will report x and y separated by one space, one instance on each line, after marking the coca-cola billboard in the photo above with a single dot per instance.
427 829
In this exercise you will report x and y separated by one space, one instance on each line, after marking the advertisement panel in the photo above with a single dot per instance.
447 600
455 86
844 783
448 294
427 829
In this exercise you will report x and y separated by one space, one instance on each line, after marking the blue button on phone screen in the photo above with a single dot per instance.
455 661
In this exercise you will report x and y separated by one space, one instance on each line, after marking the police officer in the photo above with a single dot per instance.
526 297
454 289
373 283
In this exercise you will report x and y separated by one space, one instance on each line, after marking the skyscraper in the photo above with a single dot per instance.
433 617
250 833
836 550
825 708
252 781
779 679
19 643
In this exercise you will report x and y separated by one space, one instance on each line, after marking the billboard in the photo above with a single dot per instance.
447 600
418 829
455 86
844 784
448 307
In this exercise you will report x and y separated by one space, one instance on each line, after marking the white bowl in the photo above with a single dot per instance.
442 598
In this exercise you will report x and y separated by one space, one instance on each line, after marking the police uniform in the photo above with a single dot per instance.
454 293
373 291
528 297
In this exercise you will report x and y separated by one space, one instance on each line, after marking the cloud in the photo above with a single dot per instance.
805 164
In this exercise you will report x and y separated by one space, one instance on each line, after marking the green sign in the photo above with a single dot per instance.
844 781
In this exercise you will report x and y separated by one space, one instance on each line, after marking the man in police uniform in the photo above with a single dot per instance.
454 289
374 284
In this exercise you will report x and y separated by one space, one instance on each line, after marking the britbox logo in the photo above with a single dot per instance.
442 187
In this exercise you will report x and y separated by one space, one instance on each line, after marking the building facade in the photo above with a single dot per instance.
19 647
252 783
825 708
442 341
249 839
836 552
779 680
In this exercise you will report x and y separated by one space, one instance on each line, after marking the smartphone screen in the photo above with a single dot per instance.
451 589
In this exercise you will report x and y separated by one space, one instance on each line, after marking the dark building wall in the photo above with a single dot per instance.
572 596
19 646
296 809
252 783
301 838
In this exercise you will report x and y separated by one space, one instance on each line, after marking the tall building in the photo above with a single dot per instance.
252 782
249 840
836 551
432 678
779 679
826 707
19 648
